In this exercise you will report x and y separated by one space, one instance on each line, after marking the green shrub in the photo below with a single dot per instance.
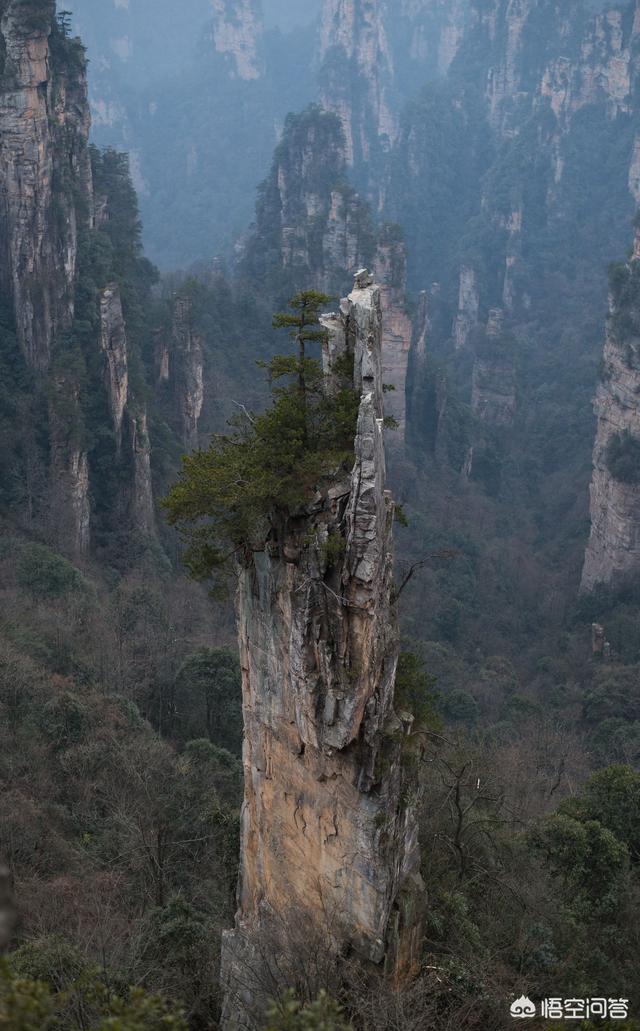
44 572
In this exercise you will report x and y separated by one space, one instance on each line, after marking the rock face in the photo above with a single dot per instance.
391 272
493 395
237 34
180 370
310 223
45 201
113 340
69 325
374 55
128 416
327 841
316 229
69 509
358 74
613 551
468 307
45 174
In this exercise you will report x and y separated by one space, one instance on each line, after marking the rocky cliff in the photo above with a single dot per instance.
135 506
329 842
69 235
179 371
313 229
237 34
613 551
45 174
357 78
373 57
493 392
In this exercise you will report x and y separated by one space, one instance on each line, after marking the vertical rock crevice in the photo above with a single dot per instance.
45 172
328 838
613 550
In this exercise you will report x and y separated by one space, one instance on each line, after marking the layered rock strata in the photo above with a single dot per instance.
315 228
45 172
494 386
329 852
128 417
185 371
390 270
613 551
237 34
357 75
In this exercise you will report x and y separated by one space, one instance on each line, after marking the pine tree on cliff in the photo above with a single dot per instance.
230 495
305 329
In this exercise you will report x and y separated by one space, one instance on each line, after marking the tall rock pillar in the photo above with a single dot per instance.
613 551
329 851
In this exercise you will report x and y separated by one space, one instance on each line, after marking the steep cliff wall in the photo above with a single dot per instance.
65 245
613 551
134 503
45 175
357 78
313 229
373 57
493 392
390 269
328 844
237 34
179 371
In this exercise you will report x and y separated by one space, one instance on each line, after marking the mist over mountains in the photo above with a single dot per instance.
425 509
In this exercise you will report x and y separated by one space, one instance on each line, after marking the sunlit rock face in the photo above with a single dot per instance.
328 842
613 551
45 176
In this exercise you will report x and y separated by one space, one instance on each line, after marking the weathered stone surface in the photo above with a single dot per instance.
493 393
45 175
390 267
357 74
327 840
69 507
324 231
142 511
237 34
113 340
373 55
187 365
613 551
468 307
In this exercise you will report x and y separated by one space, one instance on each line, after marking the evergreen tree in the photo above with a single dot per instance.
229 496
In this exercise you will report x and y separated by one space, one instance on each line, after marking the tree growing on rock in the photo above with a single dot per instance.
230 495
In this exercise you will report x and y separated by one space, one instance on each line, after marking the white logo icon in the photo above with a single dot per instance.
523 1008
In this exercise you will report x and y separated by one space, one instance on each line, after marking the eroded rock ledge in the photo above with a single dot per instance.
329 851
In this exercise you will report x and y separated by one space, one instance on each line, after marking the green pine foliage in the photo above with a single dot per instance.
48 986
230 496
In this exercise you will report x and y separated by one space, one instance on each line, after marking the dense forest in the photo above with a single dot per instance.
168 450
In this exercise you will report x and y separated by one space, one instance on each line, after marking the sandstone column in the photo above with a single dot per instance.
329 852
